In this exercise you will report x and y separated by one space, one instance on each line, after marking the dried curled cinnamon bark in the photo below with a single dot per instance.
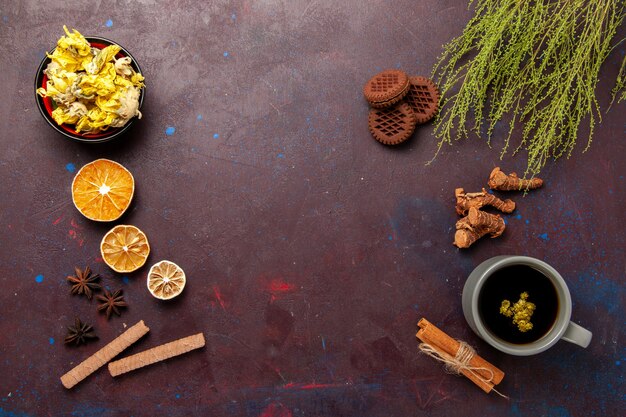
498 180
476 225
465 201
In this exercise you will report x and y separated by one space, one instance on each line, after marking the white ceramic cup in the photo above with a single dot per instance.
563 328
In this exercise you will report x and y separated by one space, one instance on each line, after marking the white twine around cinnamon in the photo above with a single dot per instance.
460 362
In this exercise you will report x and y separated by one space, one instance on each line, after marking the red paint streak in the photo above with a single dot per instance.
279 286
76 235
57 221
218 297
246 8
99 259
276 287
276 410
74 224
313 386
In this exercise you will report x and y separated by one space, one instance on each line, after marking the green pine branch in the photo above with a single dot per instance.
535 62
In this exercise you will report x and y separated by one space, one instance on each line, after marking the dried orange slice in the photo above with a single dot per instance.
102 190
166 280
125 248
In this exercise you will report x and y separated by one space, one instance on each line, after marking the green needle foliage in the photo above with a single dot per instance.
620 86
537 63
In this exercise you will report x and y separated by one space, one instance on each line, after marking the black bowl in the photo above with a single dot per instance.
46 104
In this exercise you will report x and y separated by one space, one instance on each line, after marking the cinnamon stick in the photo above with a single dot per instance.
111 350
156 354
485 375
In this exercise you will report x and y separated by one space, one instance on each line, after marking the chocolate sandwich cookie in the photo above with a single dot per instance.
386 88
393 125
423 97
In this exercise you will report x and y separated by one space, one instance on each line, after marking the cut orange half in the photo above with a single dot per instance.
166 280
125 248
102 190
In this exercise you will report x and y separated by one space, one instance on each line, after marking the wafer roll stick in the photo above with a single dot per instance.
95 361
156 354
478 370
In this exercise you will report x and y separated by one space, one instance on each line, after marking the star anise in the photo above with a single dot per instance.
111 303
80 333
84 282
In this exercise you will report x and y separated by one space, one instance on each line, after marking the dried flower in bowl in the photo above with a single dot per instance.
89 88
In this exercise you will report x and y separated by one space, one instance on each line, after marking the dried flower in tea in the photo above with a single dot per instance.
521 312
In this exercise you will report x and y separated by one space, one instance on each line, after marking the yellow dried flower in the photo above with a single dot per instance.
505 308
91 89
521 312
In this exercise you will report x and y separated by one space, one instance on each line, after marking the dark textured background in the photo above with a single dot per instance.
311 251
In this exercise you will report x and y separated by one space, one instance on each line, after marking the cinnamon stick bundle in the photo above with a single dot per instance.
479 371
101 357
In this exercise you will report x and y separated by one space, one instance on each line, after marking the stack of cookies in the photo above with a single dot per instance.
399 103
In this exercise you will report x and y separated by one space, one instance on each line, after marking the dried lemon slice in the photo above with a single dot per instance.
166 280
102 190
125 248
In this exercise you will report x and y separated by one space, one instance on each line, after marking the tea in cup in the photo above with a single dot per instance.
520 305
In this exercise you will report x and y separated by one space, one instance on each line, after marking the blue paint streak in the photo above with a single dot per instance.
7 413
216 136
177 396
515 411
225 54
88 410
125 280
109 23
281 156
518 217
390 237
323 343
199 117
544 236
601 291
70 167
51 340
39 278
170 130
618 363
559 411
233 17
527 221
